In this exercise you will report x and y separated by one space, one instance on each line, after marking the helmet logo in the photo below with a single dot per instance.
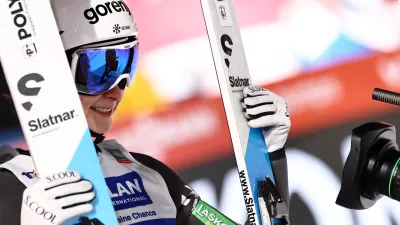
93 14
116 29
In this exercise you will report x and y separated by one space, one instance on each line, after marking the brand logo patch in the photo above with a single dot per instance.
127 191
93 14
119 156
30 175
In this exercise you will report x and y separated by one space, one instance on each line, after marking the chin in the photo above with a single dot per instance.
100 129
100 126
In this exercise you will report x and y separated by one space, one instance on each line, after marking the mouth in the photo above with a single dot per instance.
106 112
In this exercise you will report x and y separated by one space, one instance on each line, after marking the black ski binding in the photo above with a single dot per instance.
270 201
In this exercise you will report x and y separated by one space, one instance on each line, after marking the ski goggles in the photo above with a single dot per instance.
99 69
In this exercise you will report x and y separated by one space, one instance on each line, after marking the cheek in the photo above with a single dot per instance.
87 102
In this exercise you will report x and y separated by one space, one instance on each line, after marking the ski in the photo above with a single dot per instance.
47 102
263 203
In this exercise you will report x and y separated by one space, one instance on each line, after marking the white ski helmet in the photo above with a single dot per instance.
82 22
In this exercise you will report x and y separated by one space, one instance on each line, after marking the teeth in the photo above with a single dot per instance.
105 110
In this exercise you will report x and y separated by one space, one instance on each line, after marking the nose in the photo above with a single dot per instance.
115 94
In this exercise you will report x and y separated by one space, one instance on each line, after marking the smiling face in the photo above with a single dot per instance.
99 110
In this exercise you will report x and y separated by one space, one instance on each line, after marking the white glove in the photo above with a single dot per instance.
266 110
57 198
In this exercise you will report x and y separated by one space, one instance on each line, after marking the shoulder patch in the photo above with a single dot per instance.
117 151
23 168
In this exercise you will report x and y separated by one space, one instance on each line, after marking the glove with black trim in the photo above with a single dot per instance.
264 109
56 198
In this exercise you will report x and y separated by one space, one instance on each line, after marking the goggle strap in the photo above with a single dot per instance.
108 43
